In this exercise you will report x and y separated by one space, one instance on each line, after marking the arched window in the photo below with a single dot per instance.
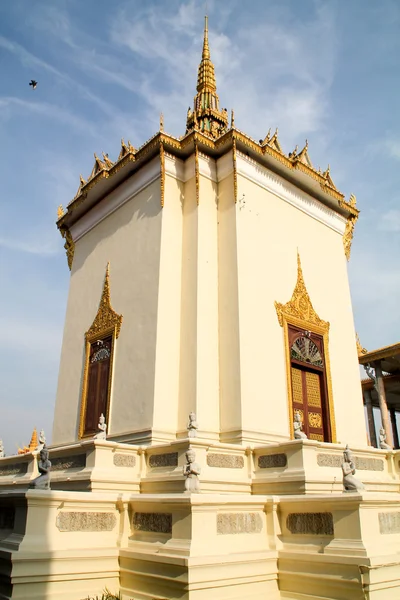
304 350
98 383
309 392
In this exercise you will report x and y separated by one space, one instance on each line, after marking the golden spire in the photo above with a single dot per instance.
206 115
206 75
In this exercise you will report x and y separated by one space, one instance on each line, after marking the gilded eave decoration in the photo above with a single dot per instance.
350 206
197 170
360 349
69 245
106 318
299 308
162 174
234 161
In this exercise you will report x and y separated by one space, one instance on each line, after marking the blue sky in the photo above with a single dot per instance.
327 71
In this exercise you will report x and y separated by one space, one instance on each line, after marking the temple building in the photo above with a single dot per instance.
381 389
209 436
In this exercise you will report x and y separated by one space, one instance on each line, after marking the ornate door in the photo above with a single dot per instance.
308 384
98 380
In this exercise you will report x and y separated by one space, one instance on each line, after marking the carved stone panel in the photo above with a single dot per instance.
232 523
86 521
310 523
14 469
124 460
361 463
7 517
369 464
153 522
61 463
271 461
225 461
164 460
329 460
389 522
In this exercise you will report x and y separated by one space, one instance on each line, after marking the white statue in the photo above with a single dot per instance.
298 426
382 440
192 426
2 453
191 471
42 441
102 426
350 483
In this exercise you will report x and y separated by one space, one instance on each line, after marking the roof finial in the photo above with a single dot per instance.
161 122
232 118
206 48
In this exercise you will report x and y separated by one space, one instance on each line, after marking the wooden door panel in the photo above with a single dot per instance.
97 384
307 400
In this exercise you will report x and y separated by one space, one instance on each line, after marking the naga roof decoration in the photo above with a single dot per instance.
303 156
125 149
272 141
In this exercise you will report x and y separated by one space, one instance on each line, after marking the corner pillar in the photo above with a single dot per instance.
380 385
370 418
394 428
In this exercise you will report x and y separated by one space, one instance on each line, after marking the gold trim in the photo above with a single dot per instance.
107 322
196 170
360 349
69 245
300 312
162 174
348 234
235 186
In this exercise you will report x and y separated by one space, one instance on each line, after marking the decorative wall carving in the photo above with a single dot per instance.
369 464
164 460
310 523
232 523
225 461
7 517
153 522
106 318
86 521
361 463
329 460
389 522
61 463
300 306
270 461
124 460
14 469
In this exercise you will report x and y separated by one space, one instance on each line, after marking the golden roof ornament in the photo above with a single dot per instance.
207 116
353 201
33 444
161 122
60 212
232 118
109 163
360 348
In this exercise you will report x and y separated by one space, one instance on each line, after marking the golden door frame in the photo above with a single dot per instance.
299 312
107 322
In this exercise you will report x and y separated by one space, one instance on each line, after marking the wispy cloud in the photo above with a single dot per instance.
390 220
47 110
41 248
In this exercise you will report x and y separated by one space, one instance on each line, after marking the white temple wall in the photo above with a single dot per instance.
229 343
270 230
166 388
207 394
129 239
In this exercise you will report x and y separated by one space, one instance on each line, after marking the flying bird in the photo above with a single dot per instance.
33 83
